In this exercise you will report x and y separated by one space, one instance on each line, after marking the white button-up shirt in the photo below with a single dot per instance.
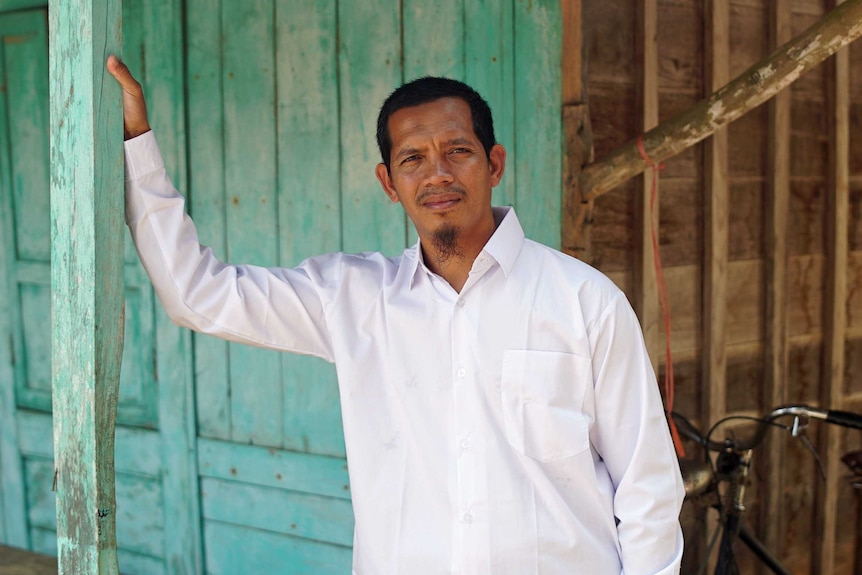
512 428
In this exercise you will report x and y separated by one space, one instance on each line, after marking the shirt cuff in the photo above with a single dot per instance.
143 156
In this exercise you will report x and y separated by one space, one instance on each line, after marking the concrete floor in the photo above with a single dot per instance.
19 562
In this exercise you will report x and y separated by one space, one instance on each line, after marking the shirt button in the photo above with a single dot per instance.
462 372
468 518
460 303
465 443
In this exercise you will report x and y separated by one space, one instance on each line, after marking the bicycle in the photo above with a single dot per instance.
731 469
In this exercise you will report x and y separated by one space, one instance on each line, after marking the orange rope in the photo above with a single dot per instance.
663 299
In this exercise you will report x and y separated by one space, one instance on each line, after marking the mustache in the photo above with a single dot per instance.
431 192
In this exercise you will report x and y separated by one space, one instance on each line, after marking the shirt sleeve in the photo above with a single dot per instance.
632 437
275 308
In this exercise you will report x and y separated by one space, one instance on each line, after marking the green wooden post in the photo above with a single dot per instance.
86 278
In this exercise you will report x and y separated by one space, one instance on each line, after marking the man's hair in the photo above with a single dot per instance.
428 89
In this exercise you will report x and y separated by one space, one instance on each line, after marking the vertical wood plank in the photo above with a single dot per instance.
777 210
572 65
433 45
489 67
369 68
309 205
538 117
13 516
207 197
577 131
433 39
87 330
23 107
715 238
252 218
835 298
646 285
717 55
180 533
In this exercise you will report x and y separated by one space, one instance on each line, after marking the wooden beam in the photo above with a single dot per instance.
754 87
571 61
86 277
646 299
716 204
577 133
835 302
777 211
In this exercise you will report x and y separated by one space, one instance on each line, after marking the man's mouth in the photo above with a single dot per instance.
440 200
440 203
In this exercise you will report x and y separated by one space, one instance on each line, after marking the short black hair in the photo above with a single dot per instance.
428 89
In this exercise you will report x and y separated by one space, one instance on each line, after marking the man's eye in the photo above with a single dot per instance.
409 159
460 151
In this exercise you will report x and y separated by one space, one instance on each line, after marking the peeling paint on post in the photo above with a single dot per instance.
86 278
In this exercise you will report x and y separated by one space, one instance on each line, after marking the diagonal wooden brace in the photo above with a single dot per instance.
754 87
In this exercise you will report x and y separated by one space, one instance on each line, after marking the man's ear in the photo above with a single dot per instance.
385 180
497 163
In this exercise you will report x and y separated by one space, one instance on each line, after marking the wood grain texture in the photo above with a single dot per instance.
775 234
369 68
267 552
835 312
309 199
87 330
176 490
489 67
208 198
252 210
755 86
716 222
647 210
538 117
12 488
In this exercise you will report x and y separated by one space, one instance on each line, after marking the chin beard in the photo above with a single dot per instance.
445 241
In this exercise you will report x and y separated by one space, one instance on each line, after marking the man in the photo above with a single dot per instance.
500 412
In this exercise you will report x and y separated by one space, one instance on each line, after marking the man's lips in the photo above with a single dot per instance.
440 200
440 203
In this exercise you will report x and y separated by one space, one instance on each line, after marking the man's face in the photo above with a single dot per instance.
440 172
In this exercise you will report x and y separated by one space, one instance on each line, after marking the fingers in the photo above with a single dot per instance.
121 74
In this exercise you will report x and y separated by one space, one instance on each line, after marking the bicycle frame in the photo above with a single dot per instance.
732 467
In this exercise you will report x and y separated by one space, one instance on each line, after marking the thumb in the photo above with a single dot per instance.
122 75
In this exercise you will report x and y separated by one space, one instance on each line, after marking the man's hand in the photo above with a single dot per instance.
134 108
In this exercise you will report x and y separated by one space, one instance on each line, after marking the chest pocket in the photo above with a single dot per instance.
543 397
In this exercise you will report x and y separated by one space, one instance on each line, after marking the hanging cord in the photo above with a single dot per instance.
663 300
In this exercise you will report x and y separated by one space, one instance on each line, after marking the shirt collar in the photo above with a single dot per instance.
504 245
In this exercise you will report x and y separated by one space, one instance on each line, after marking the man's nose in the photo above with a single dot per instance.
439 171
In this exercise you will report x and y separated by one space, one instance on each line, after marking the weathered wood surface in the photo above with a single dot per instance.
87 278
647 208
757 85
775 239
835 308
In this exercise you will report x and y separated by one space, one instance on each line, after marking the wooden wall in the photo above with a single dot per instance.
761 240
231 459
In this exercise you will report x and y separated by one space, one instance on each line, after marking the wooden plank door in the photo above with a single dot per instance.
155 531
282 104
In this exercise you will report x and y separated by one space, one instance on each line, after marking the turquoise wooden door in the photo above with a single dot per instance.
266 122
282 103
146 536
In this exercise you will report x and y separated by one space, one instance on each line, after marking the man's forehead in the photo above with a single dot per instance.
445 117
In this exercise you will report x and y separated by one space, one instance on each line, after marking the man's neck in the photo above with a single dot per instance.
454 265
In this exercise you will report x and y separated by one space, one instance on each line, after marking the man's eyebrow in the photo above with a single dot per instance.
460 141
406 152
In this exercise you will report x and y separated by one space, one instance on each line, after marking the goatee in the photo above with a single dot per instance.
446 245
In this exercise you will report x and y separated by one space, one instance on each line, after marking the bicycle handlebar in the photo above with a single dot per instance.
843 418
